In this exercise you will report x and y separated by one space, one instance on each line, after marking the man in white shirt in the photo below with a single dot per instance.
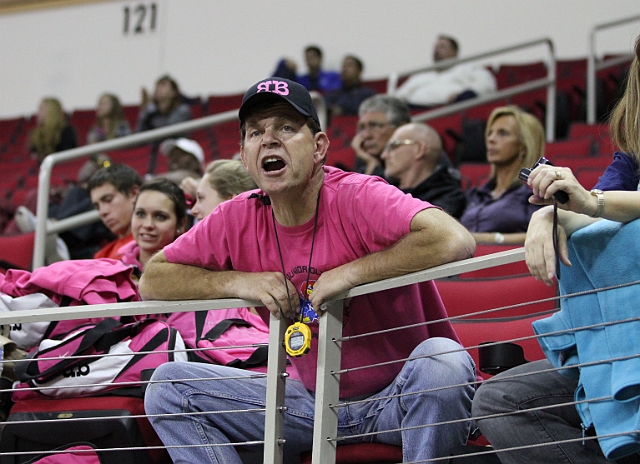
446 85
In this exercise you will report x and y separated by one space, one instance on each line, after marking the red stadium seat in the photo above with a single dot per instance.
469 296
363 453
509 75
483 111
473 333
600 162
17 250
450 130
474 174
343 158
221 103
581 129
578 148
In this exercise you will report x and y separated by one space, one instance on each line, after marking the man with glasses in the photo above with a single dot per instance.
378 118
413 158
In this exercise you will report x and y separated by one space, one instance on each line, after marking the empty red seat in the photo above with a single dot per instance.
483 111
17 250
574 164
520 294
578 148
509 75
131 114
363 453
473 333
474 174
343 158
579 130
221 103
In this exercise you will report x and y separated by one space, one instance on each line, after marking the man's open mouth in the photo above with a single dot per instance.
272 164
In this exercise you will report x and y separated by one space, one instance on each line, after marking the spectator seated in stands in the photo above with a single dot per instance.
317 78
379 116
348 98
413 158
499 211
159 217
245 260
186 159
113 192
449 84
287 69
165 108
506 413
52 133
222 181
110 121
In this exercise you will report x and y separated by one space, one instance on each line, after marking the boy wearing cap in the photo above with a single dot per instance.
310 233
186 159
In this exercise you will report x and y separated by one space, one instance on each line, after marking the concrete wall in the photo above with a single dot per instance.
222 47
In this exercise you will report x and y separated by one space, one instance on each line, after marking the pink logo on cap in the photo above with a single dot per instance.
279 87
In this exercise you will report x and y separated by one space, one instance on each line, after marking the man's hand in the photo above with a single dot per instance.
371 161
269 288
328 285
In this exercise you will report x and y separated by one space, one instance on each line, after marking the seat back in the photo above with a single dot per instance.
520 295
16 251
473 333
363 453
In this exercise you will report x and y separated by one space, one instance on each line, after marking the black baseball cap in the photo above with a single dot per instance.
279 88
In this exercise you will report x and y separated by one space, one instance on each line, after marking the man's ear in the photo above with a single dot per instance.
322 146
422 150
244 163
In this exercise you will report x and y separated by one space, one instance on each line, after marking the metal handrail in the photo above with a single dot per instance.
43 227
593 67
549 82
327 384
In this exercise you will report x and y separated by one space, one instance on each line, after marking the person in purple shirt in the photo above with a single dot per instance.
317 78
545 413
499 211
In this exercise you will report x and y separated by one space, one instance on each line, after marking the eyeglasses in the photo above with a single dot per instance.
393 144
372 126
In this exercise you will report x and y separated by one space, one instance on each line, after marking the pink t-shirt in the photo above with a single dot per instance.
358 215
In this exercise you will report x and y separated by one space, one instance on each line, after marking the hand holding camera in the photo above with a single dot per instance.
560 195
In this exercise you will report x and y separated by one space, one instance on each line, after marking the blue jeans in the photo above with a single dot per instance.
504 395
190 395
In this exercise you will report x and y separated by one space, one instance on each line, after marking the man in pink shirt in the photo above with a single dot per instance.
308 234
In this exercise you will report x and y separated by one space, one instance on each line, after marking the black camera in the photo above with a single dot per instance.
561 196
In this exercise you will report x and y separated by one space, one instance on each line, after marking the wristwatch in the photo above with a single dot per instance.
599 194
